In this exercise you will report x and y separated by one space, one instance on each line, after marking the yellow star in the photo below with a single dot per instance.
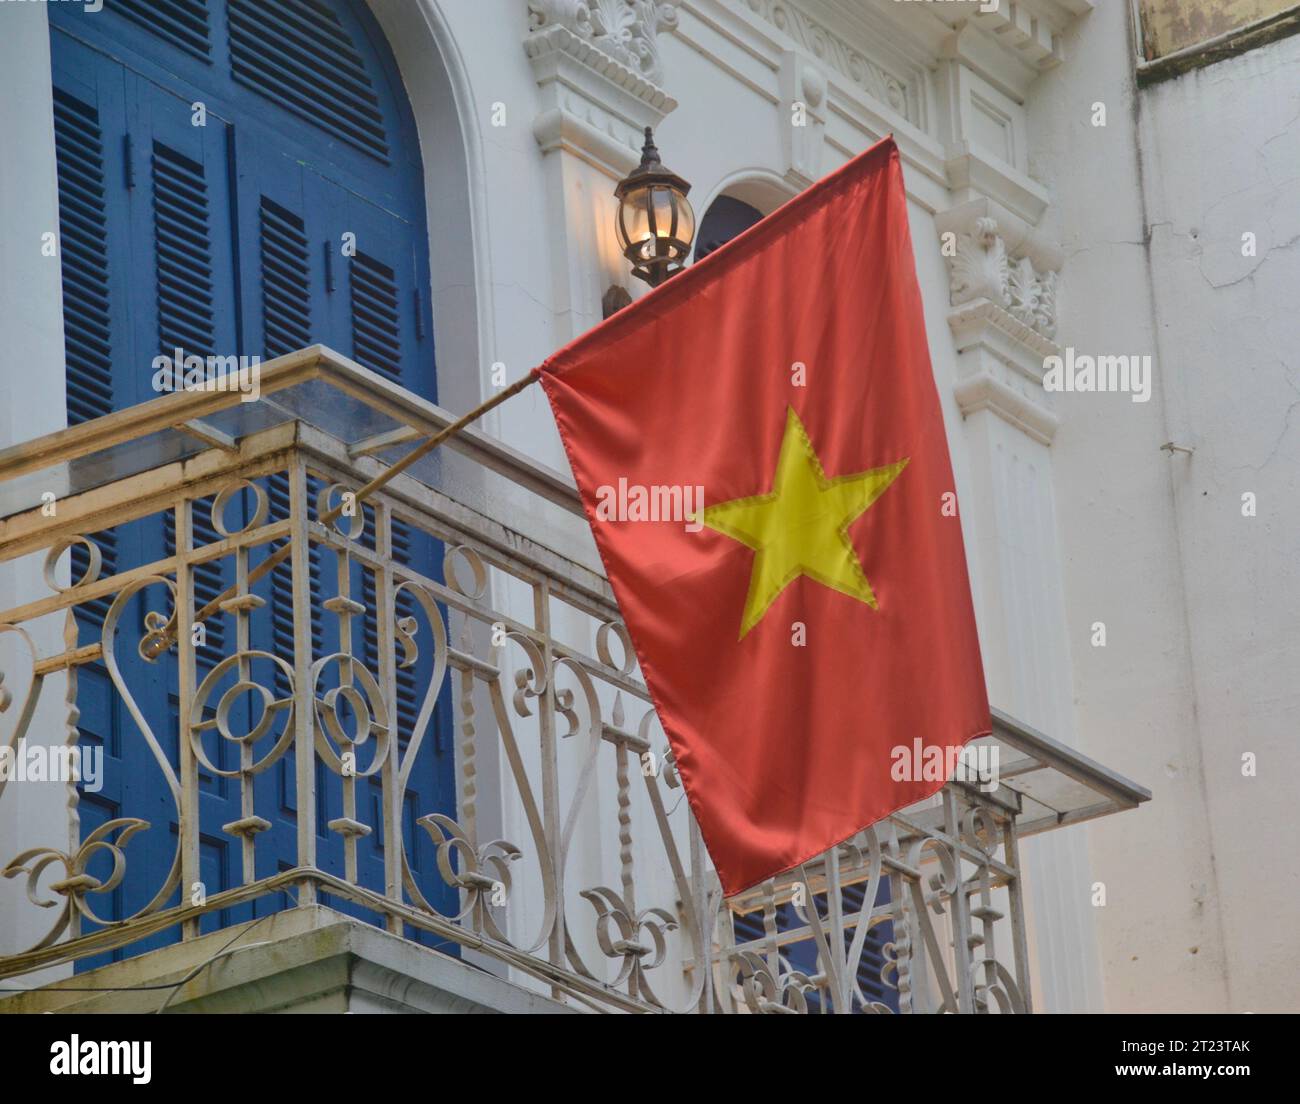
801 528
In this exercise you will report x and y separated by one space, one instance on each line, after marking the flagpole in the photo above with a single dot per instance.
153 648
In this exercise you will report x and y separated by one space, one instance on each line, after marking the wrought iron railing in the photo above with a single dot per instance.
565 856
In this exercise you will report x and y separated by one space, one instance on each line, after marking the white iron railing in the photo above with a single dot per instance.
567 857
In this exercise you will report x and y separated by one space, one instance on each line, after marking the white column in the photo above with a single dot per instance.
1003 288
32 402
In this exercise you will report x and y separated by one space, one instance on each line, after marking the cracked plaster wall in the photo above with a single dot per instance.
1201 604
1221 150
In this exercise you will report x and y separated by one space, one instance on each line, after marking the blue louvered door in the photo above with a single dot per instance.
145 209
229 238
341 269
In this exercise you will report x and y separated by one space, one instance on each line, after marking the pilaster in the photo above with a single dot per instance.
598 71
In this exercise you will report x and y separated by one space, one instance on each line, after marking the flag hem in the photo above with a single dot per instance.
844 839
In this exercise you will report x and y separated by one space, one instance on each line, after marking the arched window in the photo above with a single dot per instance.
725 218
235 178
218 160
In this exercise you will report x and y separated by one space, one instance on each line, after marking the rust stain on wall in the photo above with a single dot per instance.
1170 25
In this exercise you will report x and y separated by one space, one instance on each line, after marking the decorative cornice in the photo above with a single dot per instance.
766 57
1003 277
559 40
1031 29
981 315
1002 368
984 391
625 30
591 105
1027 30
993 255
831 49
1022 238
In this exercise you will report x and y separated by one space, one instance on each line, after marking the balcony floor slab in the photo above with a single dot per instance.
309 959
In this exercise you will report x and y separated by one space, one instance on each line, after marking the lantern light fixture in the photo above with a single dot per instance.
655 224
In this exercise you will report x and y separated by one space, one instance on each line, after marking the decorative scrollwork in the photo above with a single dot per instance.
226 495
626 30
993 983
618 631
517 865
765 994
484 871
981 268
77 882
157 639
350 523
272 707
359 691
28 705
618 933
94 564
460 554
530 681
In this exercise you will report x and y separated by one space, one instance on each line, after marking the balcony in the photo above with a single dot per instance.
420 734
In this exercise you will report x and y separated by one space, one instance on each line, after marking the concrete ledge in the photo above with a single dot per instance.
302 960
1228 45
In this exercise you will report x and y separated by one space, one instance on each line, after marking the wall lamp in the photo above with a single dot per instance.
655 223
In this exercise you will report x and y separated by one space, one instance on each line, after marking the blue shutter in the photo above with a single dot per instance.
182 253
87 295
183 202
385 286
182 23
183 256
83 234
286 286
276 50
376 336
226 239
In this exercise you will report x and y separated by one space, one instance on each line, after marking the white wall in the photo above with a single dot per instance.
1221 158
31 403
1200 604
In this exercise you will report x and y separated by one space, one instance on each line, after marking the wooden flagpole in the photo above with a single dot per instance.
159 644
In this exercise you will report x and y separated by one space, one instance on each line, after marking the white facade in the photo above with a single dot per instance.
1199 601
1072 513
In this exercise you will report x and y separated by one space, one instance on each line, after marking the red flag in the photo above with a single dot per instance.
811 615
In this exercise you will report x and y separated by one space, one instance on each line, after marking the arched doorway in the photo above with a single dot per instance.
235 178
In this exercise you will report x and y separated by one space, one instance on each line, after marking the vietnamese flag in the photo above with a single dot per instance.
817 615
